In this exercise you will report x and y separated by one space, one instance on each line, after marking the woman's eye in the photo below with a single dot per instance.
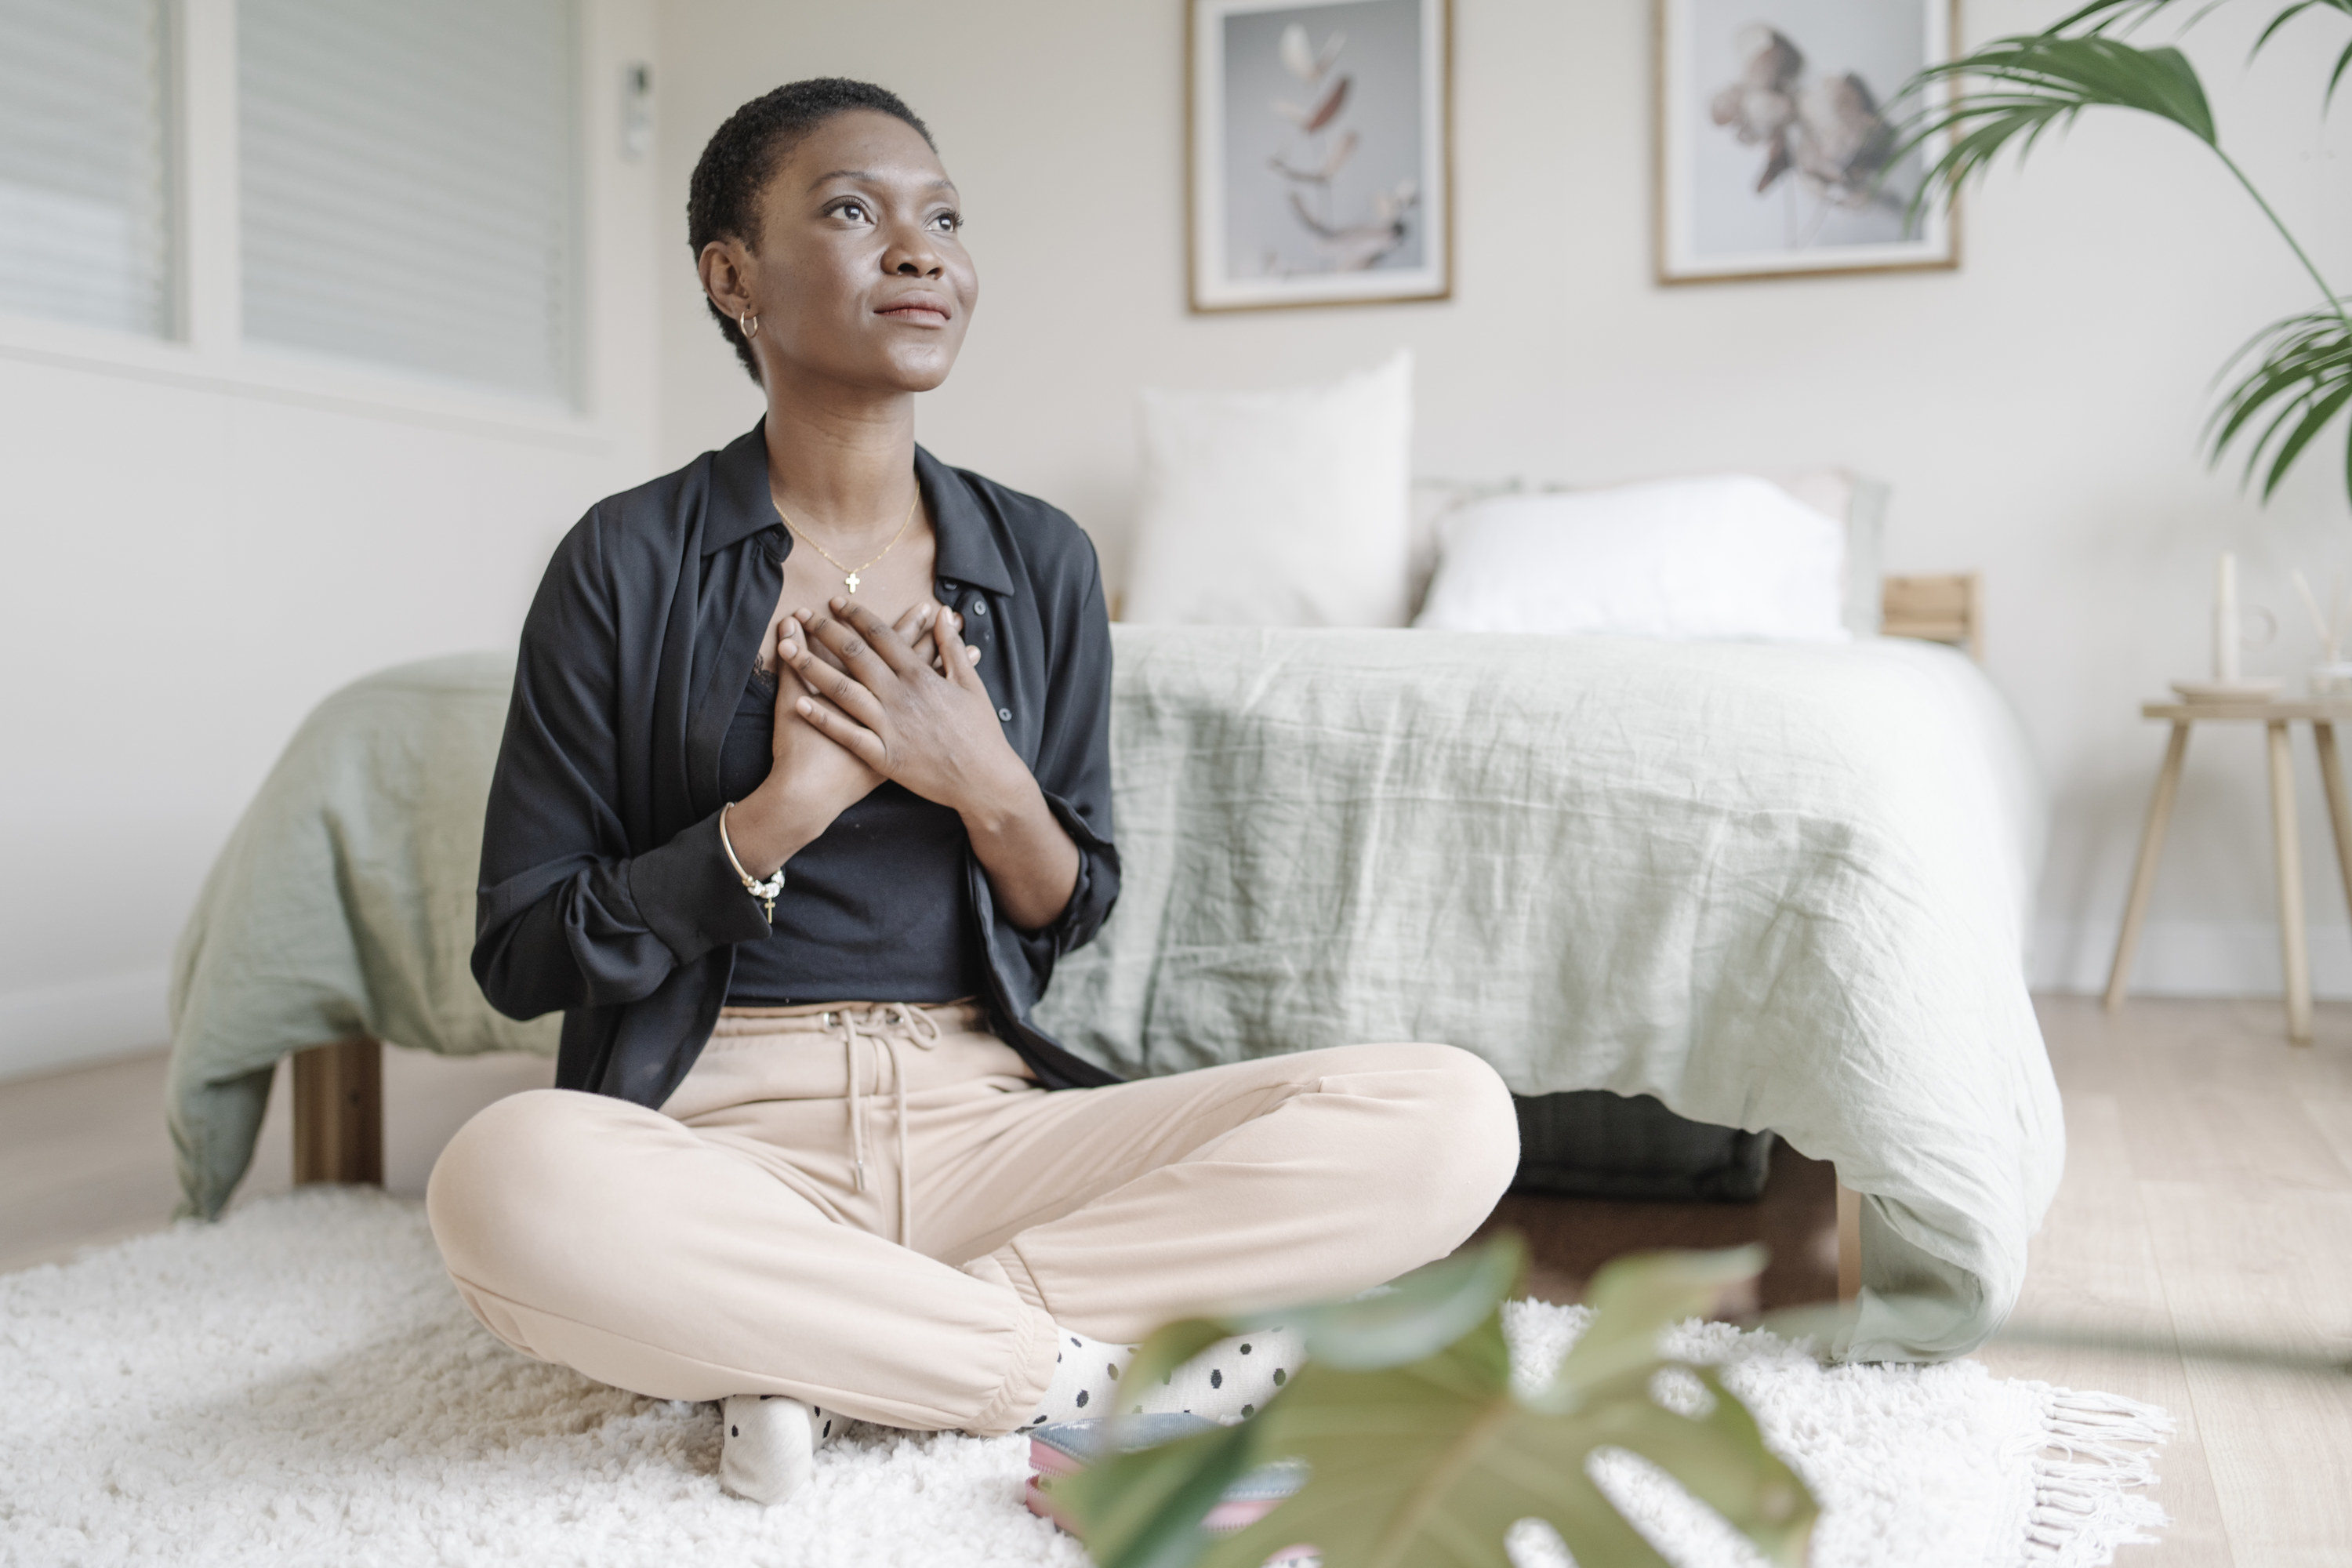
855 211
948 223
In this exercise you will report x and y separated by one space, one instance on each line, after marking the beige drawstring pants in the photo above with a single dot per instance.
874 1209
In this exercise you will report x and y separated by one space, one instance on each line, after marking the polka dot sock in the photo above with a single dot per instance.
1229 1381
771 1443
1085 1374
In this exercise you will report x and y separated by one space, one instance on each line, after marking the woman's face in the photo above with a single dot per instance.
860 275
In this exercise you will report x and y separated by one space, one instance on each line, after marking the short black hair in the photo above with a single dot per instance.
723 200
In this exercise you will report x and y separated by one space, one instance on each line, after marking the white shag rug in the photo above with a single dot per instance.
299 1384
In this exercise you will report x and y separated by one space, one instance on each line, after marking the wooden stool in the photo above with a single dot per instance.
2323 717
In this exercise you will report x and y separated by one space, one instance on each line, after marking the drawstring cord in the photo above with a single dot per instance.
857 1110
908 1014
909 1023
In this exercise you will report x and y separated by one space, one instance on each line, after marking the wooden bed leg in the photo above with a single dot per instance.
339 1113
1849 1242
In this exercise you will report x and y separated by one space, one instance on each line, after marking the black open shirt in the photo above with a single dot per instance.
604 889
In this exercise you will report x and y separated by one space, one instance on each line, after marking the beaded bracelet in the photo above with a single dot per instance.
765 891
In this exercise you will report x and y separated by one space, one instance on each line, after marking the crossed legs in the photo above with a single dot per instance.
733 1252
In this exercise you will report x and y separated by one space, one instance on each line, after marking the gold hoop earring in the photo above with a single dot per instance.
749 323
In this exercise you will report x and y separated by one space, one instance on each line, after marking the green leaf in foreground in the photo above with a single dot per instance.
1417 1317
1433 1459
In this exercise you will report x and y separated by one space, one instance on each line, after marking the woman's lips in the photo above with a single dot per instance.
924 312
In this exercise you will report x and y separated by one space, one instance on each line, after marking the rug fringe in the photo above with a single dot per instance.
2095 1454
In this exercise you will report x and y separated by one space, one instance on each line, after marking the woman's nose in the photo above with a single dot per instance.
912 257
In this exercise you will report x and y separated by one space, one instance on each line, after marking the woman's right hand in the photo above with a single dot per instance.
811 779
825 776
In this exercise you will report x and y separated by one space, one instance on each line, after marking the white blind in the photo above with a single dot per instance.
408 185
84 186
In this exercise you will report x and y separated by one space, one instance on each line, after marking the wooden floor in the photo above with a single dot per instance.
2199 1253
2199 1256
85 1158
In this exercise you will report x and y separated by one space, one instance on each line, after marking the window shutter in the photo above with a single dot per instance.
408 185
85 166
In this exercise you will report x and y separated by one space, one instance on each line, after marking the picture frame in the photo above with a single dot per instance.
1318 152
1772 132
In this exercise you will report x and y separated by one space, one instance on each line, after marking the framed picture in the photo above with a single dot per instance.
1319 151
1775 133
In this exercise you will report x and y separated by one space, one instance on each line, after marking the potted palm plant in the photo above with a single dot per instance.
2294 376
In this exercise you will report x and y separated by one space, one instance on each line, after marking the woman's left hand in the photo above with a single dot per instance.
924 721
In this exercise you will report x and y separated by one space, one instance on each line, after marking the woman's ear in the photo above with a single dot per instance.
723 266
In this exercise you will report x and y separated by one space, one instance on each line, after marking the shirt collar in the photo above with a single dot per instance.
741 506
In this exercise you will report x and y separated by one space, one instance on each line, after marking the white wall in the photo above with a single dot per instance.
201 542
2037 412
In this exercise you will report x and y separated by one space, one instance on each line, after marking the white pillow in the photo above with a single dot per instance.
1861 505
1288 508
1728 556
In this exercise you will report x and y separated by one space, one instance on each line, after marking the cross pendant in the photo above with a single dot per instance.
853 581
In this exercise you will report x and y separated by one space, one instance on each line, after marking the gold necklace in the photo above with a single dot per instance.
849 574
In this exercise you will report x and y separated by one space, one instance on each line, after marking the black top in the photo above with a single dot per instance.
873 910
604 889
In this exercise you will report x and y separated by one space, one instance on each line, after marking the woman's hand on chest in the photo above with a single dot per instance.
914 626
913 708
812 778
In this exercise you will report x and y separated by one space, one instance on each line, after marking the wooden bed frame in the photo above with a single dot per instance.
1946 608
338 1088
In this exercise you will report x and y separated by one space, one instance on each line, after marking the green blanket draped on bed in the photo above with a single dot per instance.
1774 886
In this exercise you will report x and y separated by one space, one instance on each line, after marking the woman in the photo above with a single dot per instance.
804 786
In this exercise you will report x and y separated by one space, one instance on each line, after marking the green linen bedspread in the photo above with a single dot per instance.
1776 887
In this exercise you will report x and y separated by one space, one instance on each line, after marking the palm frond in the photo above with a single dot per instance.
2010 92
2302 380
2343 7
2038 81
2281 20
2103 15
2343 61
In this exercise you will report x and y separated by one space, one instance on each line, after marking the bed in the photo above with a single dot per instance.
1772 888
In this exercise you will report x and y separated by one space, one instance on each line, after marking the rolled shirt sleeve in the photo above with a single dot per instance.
1073 767
568 916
